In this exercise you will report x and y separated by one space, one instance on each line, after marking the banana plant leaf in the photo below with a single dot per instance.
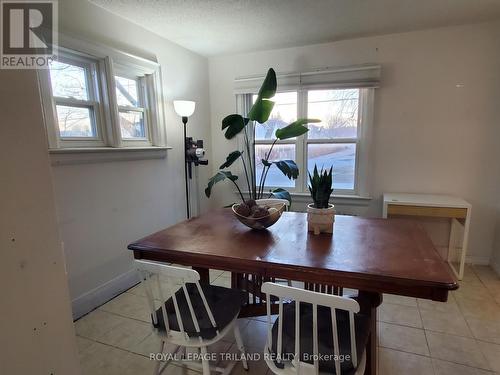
268 88
288 167
295 129
281 194
231 158
261 109
218 177
234 124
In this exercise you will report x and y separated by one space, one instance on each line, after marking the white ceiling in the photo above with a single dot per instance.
218 27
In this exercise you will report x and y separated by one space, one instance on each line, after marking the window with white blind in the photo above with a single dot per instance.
340 140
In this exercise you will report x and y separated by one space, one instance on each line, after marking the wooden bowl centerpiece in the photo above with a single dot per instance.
260 215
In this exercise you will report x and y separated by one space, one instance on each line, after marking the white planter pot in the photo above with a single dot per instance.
320 220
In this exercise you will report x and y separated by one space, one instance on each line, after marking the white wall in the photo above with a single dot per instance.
429 135
37 334
104 206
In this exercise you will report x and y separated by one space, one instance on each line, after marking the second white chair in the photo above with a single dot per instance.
314 333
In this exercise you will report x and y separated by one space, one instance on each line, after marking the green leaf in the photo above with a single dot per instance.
231 120
265 163
218 177
268 88
304 121
234 124
230 159
281 194
295 129
288 167
261 110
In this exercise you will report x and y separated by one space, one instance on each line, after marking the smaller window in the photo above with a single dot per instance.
75 99
130 99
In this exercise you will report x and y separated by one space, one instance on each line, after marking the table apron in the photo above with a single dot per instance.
345 280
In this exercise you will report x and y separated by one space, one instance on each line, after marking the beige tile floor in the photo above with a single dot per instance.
416 336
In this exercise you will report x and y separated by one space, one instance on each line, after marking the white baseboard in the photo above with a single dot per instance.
469 259
495 266
103 293
478 260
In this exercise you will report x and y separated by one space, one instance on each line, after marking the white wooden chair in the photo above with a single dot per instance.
189 314
328 326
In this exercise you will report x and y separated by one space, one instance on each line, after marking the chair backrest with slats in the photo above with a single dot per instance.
290 294
166 281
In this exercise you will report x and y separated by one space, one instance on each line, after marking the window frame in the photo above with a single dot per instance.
104 63
139 75
141 101
94 102
334 141
361 141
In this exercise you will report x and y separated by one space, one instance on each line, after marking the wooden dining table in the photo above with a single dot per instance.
371 255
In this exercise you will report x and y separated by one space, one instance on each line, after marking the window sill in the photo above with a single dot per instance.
65 156
338 200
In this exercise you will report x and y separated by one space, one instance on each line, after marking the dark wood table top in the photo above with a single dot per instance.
380 255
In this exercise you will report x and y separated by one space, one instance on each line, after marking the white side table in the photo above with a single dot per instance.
429 205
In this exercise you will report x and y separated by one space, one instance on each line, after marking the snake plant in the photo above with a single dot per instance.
320 186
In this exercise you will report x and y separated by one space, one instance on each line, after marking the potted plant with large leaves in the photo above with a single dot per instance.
256 210
321 213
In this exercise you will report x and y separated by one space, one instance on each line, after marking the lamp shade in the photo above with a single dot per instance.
184 108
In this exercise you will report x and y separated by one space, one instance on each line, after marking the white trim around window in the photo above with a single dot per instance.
97 103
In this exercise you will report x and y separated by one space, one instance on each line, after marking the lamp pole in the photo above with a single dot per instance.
185 108
188 214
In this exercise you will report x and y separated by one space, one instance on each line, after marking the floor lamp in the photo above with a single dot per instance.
185 108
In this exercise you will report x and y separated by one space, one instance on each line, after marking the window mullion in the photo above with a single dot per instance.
69 102
332 140
124 108
300 144
144 105
95 95
115 133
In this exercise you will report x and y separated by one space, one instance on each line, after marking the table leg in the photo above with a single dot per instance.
204 274
369 303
